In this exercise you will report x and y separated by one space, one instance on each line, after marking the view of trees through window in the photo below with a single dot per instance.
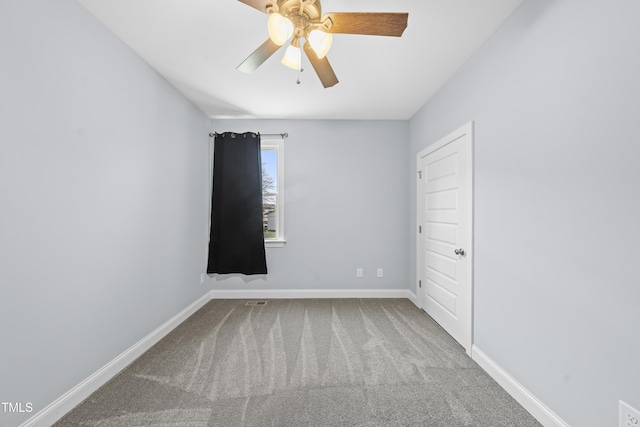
270 193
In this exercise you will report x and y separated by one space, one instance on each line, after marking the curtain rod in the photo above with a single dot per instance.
268 135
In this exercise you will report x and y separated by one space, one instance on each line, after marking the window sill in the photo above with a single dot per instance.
273 243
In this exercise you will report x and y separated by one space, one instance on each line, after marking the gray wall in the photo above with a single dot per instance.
555 97
103 192
346 203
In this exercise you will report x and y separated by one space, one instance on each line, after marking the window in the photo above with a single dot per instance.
273 191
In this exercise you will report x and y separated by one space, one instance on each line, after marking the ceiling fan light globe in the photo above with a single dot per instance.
320 42
280 28
292 57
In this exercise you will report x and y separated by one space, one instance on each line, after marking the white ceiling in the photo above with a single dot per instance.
197 45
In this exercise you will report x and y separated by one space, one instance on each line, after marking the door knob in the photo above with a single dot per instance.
459 251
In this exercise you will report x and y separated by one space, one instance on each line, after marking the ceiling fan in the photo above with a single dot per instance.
303 19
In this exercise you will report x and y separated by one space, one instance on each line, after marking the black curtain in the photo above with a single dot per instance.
236 241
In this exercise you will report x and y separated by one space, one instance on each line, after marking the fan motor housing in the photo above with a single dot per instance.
311 9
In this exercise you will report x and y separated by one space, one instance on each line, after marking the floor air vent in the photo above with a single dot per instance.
255 303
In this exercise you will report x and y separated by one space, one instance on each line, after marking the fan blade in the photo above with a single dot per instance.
258 57
322 67
261 5
371 24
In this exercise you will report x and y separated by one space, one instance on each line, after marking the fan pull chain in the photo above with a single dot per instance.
300 69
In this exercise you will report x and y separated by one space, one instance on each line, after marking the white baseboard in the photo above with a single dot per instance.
57 409
539 410
309 293
413 297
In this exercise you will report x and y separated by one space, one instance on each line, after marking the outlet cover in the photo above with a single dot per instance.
380 272
628 417
358 272
203 277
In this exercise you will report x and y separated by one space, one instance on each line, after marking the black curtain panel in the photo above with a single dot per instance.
236 241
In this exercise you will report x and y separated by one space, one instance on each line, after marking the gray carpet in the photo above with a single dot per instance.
339 362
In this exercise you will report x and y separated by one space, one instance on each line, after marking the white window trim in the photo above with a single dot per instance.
278 145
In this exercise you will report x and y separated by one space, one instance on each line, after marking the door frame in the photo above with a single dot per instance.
466 133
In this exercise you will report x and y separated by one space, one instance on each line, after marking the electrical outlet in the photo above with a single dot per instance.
380 272
358 272
628 417
203 277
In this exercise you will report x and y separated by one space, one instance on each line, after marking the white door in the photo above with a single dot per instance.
445 233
